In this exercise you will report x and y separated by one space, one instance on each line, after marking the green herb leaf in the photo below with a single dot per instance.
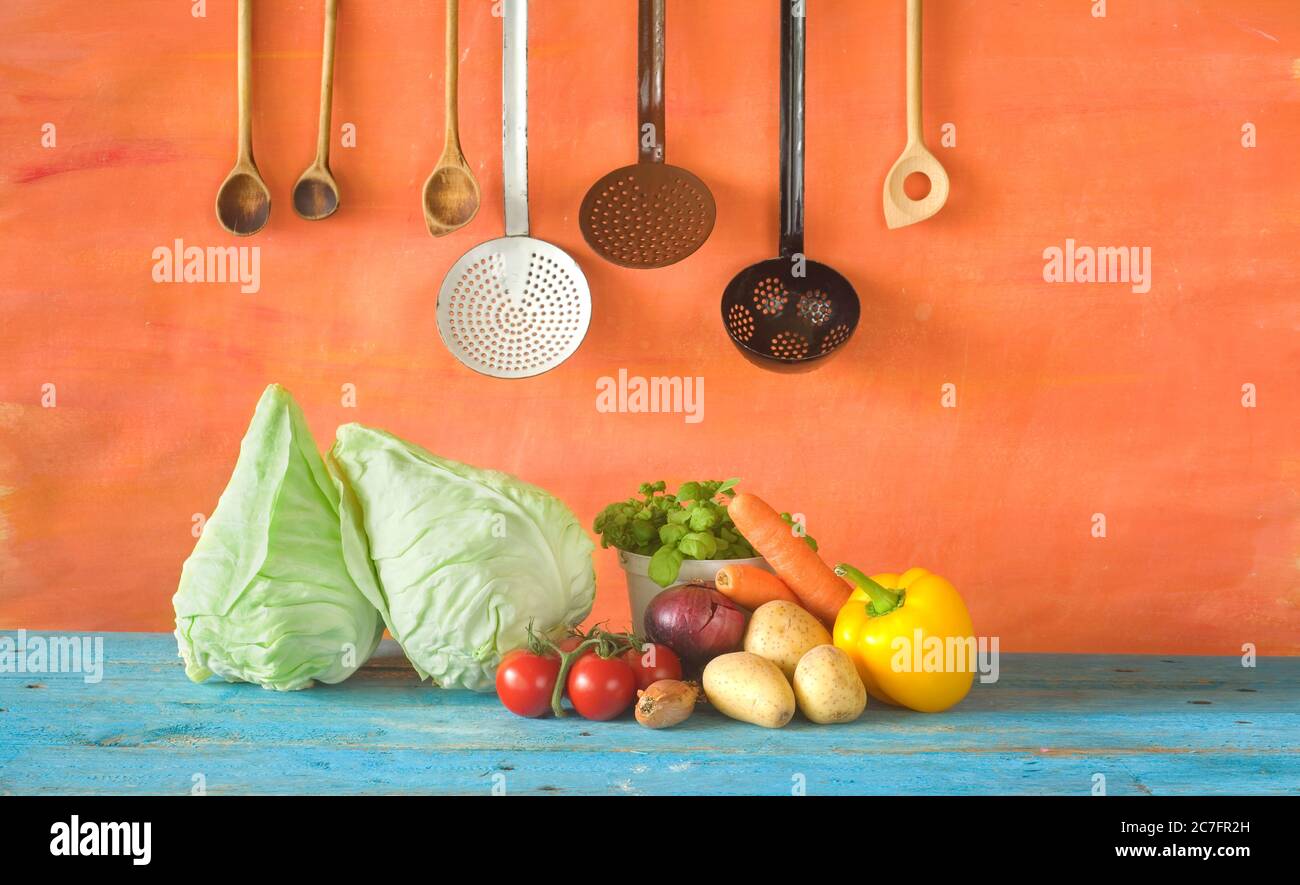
690 491
665 565
672 533
702 518
698 545
643 530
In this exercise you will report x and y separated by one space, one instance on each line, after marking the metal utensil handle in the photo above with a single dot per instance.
793 43
326 83
650 81
913 71
514 99
245 68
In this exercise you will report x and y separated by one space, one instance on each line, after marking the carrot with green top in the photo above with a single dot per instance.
817 587
751 586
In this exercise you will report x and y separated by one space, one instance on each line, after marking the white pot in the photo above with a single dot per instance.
640 589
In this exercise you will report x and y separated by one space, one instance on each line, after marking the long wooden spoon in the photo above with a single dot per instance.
451 197
900 209
316 195
243 201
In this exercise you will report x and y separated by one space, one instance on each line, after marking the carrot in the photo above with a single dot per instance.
750 586
818 588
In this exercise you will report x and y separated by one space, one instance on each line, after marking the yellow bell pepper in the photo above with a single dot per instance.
910 638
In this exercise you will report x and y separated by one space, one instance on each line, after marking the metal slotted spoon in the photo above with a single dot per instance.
649 214
790 309
516 306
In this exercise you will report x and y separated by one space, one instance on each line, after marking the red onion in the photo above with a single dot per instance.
698 623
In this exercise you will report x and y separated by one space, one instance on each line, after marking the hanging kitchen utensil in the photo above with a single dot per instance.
649 214
316 195
243 201
451 195
516 306
900 209
790 309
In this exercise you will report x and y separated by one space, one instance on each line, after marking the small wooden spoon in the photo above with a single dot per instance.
900 209
451 197
316 195
243 201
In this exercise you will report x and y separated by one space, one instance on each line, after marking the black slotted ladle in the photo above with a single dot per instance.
790 309
649 214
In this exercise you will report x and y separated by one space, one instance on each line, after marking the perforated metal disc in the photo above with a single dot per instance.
514 307
770 312
647 215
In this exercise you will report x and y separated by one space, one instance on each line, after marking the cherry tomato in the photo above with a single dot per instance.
653 662
526 680
601 688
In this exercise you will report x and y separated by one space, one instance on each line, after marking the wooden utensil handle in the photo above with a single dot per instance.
245 75
650 81
514 87
793 50
453 75
326 83
914 71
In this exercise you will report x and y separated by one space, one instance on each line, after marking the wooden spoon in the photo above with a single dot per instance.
451 197
243 201
316 195
900 209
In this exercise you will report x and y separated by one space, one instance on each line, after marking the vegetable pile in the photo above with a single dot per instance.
481 578
808 639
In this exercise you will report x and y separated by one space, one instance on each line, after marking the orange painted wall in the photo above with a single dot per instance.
1072 399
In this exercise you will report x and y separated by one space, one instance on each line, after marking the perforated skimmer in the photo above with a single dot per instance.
768 309
649 214
516 306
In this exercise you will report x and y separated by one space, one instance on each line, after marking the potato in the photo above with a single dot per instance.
827 686
782 632
749 688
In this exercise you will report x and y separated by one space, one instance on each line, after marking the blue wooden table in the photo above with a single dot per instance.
1050 725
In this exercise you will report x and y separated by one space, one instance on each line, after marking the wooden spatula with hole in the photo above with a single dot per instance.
900 209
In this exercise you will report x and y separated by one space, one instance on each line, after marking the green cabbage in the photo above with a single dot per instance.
266 597
464 558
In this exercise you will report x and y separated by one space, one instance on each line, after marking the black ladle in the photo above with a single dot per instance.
790 309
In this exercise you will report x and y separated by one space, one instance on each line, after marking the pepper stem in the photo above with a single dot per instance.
883 600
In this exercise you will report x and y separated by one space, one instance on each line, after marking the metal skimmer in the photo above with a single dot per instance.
767 308
516 306
649 214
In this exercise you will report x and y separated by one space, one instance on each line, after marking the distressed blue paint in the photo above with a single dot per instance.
1047 726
